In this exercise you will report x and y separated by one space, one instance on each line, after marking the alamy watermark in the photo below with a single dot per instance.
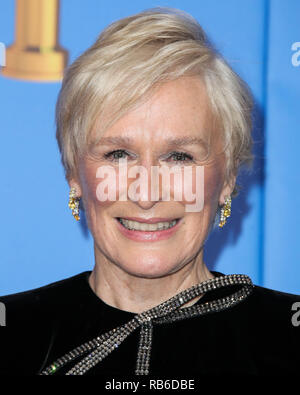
2 55
187 184
2 314
296 316
296 55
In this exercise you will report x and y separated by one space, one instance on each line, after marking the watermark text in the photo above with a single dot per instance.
2 314
296 55
177 183
296 316
2 55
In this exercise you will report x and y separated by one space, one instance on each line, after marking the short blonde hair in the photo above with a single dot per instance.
129 58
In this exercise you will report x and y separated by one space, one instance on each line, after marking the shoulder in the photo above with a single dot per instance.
273 303
263 330
32 320
271 319
270 308
51 294
264 303
272 295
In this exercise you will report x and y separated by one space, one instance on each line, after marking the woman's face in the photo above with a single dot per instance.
173 128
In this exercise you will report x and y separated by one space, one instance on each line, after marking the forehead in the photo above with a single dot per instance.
177 110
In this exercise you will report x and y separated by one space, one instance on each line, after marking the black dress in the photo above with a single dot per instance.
257 336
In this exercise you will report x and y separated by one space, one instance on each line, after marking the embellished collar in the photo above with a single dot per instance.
86 356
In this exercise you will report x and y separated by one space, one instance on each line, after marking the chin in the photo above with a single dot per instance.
148 268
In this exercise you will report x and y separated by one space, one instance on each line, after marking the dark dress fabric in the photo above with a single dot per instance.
254 337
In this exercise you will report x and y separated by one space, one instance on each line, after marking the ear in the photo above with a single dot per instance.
73 183
227 189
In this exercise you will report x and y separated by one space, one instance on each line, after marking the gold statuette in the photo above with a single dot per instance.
36 54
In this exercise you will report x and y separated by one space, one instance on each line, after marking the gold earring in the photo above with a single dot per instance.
74 203
225 211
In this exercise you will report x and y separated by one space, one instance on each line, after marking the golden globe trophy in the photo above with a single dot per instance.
36 54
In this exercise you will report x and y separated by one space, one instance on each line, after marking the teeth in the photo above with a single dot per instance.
133 225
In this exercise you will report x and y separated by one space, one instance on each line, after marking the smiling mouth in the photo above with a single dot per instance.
140 226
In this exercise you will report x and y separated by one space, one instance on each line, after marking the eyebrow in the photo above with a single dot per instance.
174 142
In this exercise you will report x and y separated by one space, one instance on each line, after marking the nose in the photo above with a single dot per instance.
146 189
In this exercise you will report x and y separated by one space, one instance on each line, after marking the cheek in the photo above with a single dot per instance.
92 186
199 222
212 185
203 184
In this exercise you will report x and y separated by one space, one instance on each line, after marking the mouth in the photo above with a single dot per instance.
148 230
146 227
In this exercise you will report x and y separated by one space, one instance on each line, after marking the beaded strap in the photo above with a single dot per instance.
166 312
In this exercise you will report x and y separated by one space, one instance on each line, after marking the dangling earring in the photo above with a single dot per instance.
225 211
74 203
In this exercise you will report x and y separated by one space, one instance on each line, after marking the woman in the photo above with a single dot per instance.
151 94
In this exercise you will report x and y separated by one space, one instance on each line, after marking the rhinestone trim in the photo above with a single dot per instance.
166 312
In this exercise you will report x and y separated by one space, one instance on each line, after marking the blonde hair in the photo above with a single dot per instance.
121 69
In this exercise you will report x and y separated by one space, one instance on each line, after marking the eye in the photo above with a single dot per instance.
180 157
116 155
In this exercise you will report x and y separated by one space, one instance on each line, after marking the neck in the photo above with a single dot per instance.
127 292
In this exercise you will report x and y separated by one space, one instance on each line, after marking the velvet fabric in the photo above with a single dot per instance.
255 337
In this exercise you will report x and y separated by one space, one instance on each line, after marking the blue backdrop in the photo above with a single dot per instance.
40 240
